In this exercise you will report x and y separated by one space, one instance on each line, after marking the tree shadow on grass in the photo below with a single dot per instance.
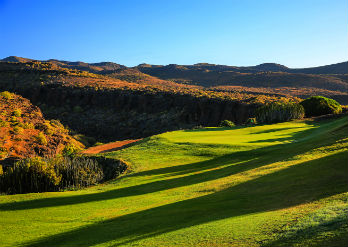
287 150
223 166
281 139
274 130
298 184
208 129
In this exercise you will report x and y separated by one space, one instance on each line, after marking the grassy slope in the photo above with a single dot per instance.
272 185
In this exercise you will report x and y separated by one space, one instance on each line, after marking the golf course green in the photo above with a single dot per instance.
281 184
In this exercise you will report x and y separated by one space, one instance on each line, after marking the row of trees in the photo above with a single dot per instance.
278 112
281 112
59 173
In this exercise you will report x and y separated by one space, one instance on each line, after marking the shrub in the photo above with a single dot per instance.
41 138
56 123
6 95
227 123
45 127
28 125
251 121
17 112
318 105
13 120
30 175
39 175
279 112
3 123
70 150
17 130
78 172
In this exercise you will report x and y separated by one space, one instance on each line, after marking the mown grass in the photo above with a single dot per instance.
272 185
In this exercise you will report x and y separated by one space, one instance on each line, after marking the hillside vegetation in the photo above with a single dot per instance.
24 132
267 78
283 184
109 108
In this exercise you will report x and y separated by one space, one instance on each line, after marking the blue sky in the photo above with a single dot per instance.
296 33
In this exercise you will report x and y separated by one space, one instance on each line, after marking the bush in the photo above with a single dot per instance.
6 95
13 120
70 150
28 125
31 175
55 174
3 123
41 138
78 172
251 121
227 123
17 130
17 112
318 105
279 112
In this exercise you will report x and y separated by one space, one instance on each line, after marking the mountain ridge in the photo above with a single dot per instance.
336 68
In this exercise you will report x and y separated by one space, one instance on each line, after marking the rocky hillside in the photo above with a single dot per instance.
24 132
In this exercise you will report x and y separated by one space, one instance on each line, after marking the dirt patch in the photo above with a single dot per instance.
109 147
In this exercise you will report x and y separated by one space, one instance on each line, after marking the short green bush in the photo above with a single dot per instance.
318 105
251 121
227 123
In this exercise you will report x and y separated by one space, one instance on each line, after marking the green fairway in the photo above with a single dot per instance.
284 184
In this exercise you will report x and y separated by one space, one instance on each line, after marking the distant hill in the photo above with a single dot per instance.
272 67
266 78
16 59
90 67
109 101
125 103
338 68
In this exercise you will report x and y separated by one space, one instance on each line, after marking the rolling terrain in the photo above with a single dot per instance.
267 78
109 109
270 185
330 81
